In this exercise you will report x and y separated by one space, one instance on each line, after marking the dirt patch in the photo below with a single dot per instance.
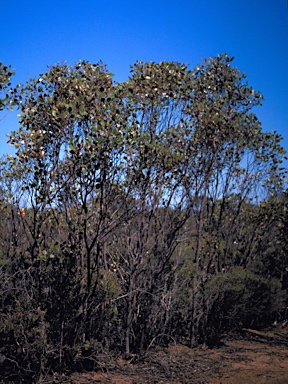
259 357
251 362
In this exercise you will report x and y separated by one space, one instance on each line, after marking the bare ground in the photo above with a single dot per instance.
258 357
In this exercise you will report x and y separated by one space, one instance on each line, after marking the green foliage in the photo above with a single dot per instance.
5 75
240 299
136 211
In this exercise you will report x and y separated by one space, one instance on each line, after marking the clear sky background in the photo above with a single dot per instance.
38 33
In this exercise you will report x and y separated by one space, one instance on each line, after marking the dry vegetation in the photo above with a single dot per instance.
255 357
136 215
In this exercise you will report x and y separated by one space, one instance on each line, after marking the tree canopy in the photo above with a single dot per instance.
138 211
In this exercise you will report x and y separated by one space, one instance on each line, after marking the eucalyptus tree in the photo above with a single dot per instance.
228 157
129 198
70 146
157 95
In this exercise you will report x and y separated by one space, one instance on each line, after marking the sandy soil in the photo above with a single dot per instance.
258 357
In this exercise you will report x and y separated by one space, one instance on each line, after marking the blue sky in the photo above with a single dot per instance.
35 34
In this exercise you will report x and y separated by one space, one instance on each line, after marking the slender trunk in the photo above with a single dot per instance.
195 314
43 341
130 309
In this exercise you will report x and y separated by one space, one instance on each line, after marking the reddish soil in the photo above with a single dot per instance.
259 357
